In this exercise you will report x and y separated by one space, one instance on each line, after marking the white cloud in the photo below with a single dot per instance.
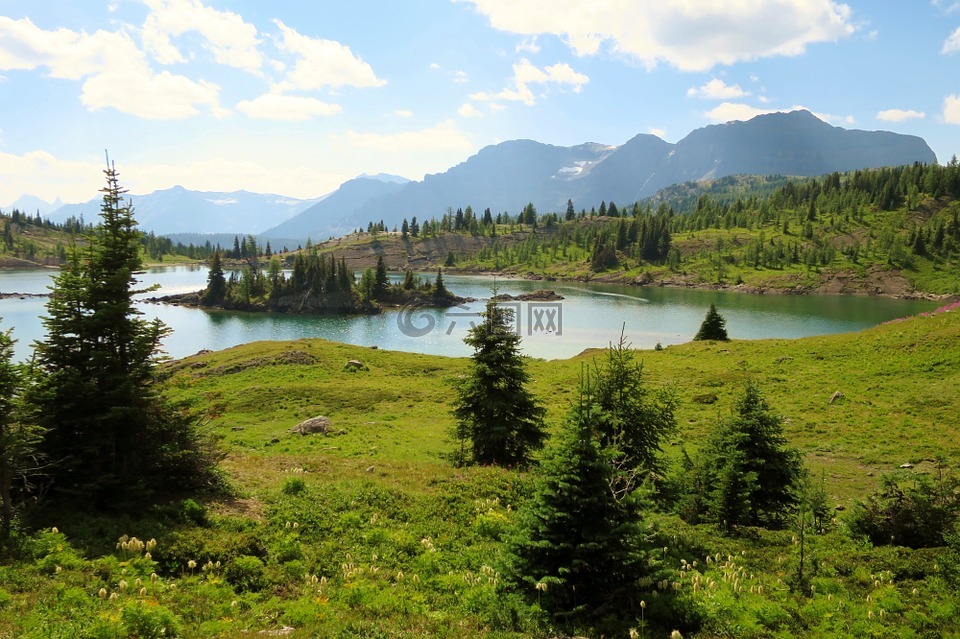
660 133
467 110
220 174
529 45
952 43
403 113
951 109
948 7
899 115
717 89
114 70
692 35
525 74
442 137
460 77
731 111
287 108
323 63
135 90
231 40
40 173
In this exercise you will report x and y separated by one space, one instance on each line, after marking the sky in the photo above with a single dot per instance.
295 98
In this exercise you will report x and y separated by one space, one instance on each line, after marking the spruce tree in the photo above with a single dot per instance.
108 433
19 439
713 327
498 419
628 416
748 471
381 280
216 282
578 548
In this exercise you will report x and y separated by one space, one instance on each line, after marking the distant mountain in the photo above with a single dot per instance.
31 204
507 176
320 220
179 210
795 143
498 177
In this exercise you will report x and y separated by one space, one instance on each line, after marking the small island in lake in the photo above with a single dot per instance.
315 285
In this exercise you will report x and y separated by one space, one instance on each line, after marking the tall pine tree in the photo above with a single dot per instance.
498 419
108 433
216 281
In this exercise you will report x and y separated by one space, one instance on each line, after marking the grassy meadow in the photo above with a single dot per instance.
368 531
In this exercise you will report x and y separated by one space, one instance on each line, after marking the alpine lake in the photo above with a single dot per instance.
588 316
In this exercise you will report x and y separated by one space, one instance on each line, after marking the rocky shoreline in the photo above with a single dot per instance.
21 296
892 285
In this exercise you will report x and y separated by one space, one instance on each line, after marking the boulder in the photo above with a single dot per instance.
354 365
312 426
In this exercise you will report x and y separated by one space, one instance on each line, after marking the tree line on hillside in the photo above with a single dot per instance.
809 223
19 242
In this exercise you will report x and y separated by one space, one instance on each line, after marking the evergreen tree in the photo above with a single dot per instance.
498 419
109 435
216 282
439 288
604 254
713 326
409 282
368 285
380 279
749 472
8 235
578 547
19 440
628 417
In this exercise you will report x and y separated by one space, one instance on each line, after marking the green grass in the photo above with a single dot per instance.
371 533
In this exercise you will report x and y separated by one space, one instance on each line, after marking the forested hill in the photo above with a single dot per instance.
891 231
28 241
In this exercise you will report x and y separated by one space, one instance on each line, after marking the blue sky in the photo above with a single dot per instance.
295 98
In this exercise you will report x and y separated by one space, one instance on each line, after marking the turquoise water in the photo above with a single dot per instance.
589 316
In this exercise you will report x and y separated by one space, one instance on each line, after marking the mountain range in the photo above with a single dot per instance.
180 210
508 176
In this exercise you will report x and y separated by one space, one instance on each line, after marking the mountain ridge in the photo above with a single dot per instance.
507 176
511 174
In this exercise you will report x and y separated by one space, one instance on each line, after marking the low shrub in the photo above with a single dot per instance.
246 573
